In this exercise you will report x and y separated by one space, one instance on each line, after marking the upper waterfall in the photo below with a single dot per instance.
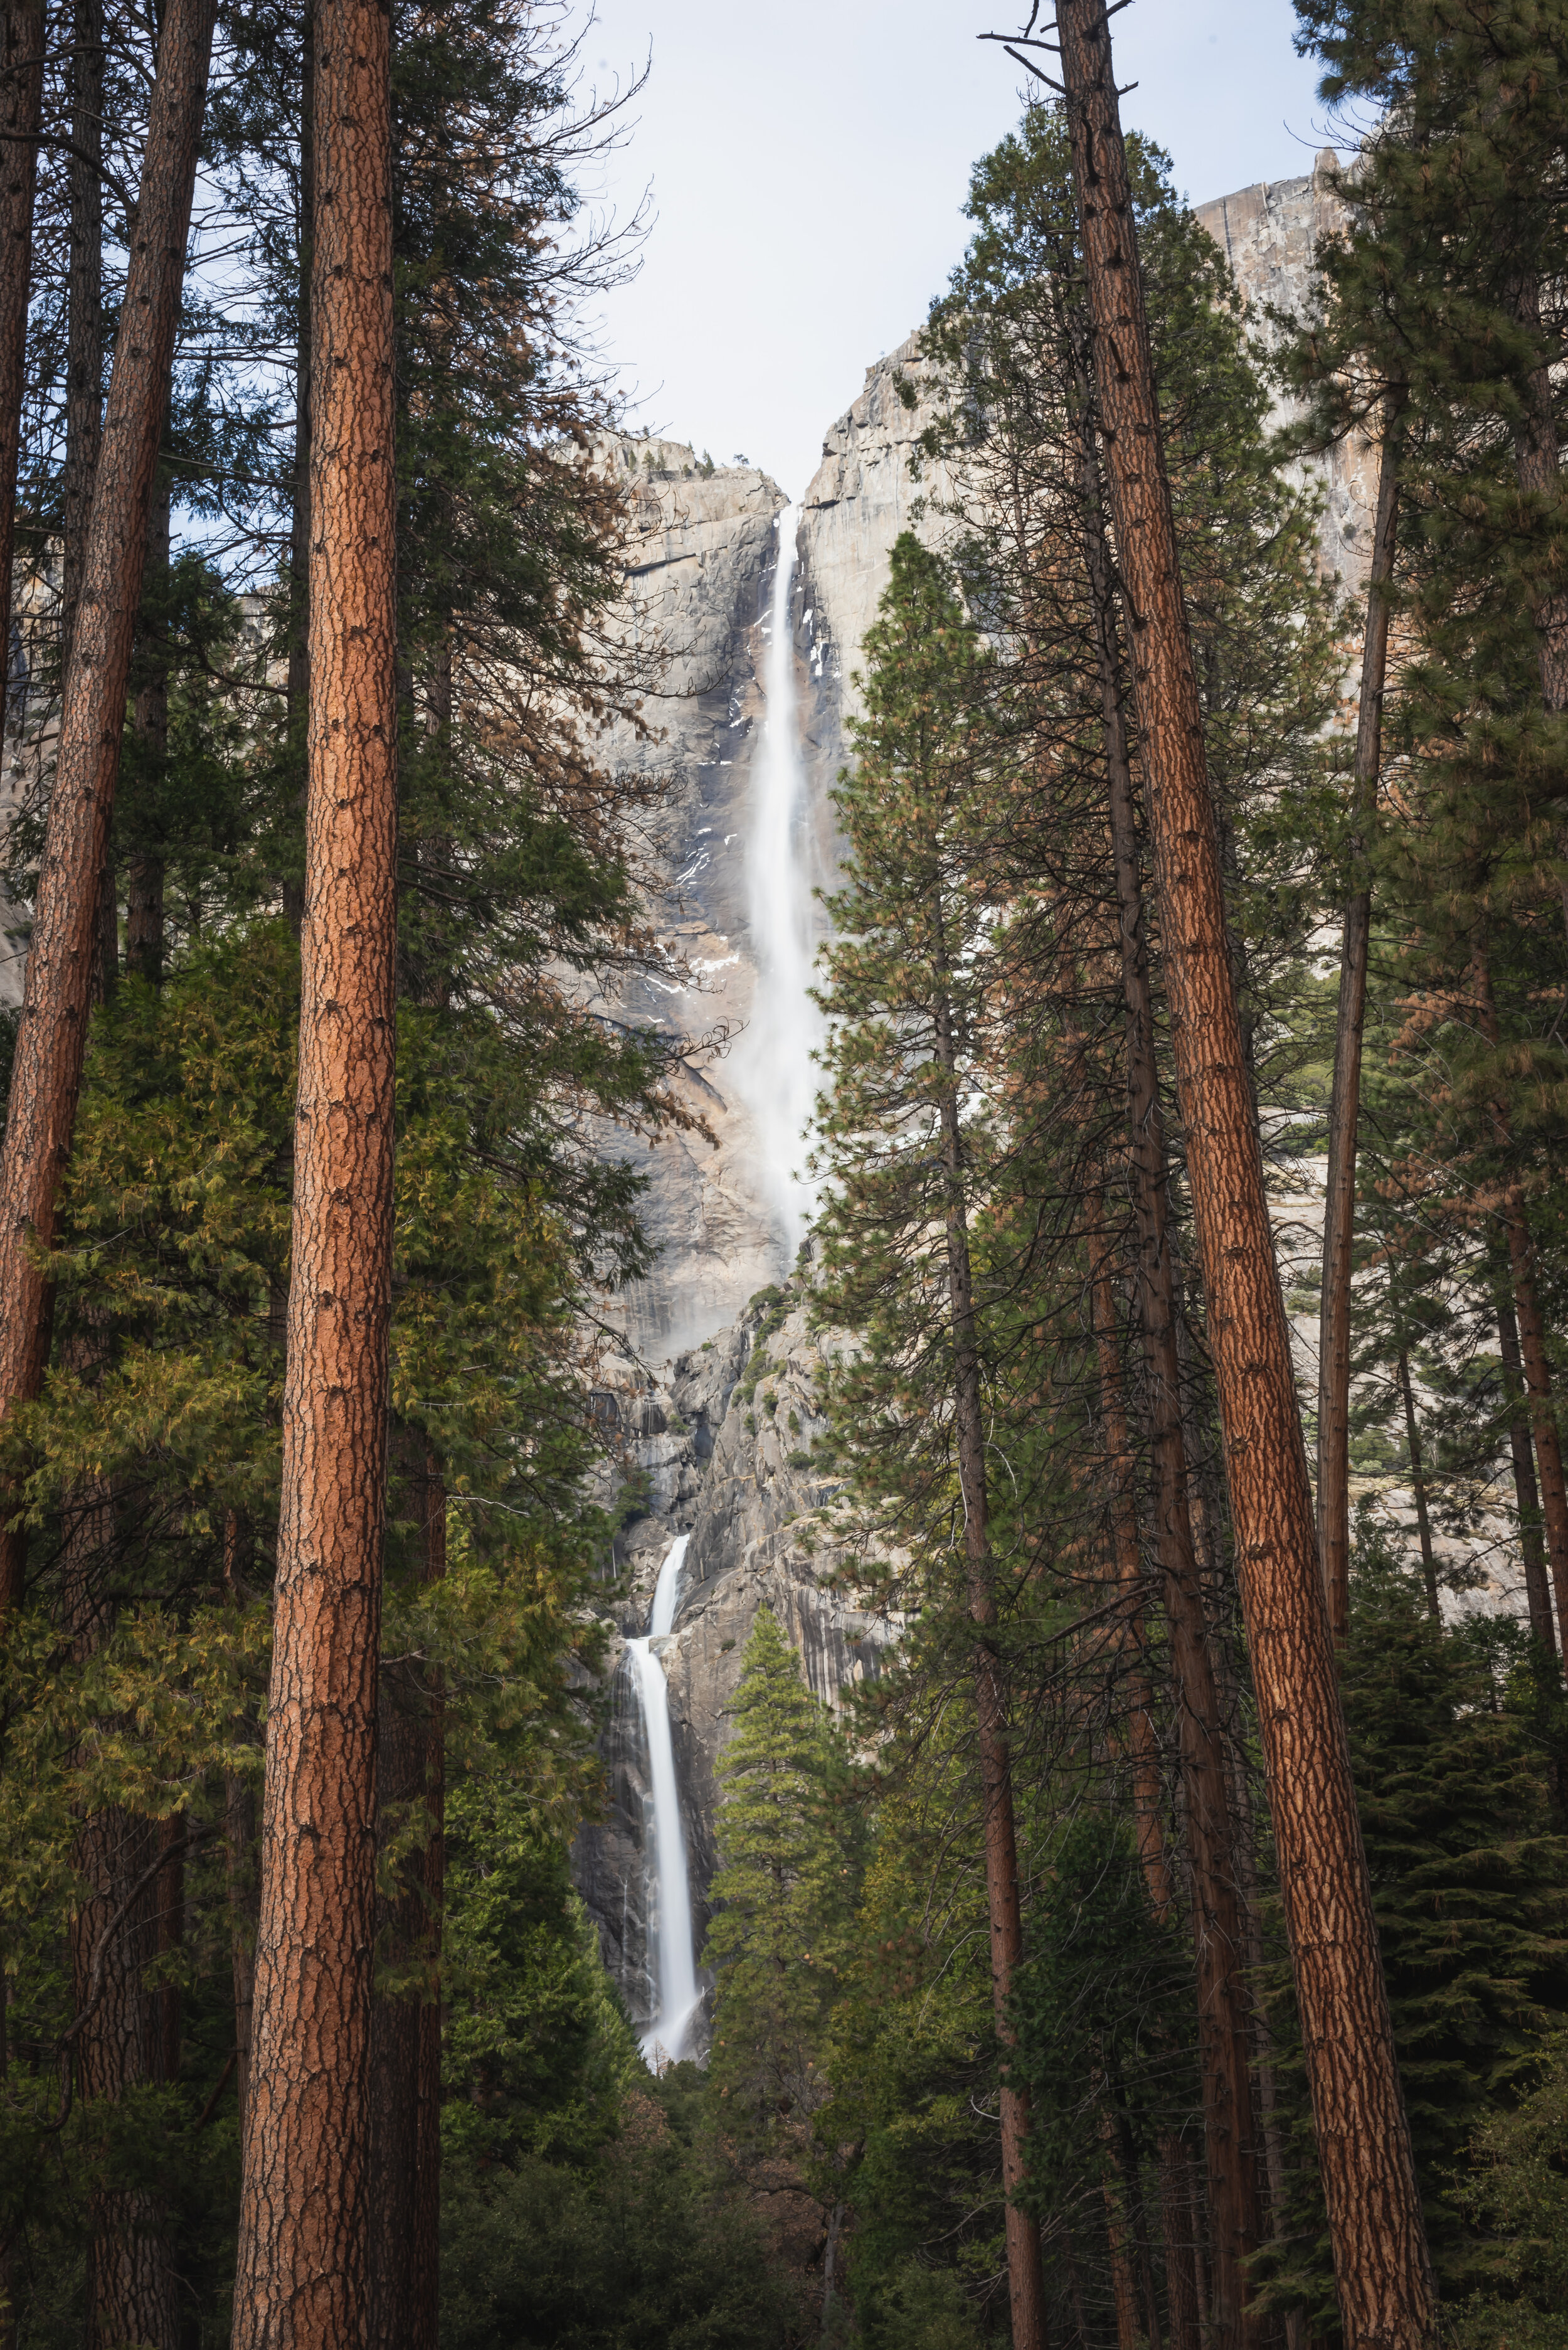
773 1062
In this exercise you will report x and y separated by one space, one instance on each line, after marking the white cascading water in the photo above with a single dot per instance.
773 1069
672 1953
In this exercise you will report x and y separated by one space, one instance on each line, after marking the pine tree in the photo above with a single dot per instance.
1385 2278
782 1897
302 2268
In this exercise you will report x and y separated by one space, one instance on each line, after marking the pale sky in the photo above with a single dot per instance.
808 163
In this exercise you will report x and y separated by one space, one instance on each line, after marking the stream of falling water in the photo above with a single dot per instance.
672 1953
773 1067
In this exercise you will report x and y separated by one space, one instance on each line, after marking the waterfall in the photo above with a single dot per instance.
673 1959
773 1068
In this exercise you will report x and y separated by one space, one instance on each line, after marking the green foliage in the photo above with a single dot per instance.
783 1895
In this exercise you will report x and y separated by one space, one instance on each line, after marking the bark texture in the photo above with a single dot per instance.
1235 2203
302 2277
1382 2267
21 99
1344 1101
131 2291
62 963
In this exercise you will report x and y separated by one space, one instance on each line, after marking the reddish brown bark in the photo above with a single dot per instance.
1537 1588
1235 2202
302 2273
1381 2263
52 1035
1345 1103
21 99
1024 2273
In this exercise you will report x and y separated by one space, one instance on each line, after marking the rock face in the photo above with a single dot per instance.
724 1444
700 568
720 1429
1268 234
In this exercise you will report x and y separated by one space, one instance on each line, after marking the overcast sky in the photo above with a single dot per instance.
808 163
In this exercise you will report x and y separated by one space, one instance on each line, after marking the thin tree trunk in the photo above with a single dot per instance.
302 2275
1537 1588
132 2294
240 1874
84 312
298 682
1148 1788
170 1908
1235 2203
21 103
1345 1103
424 2299
145 867
1024 2271
1382 2267
1418 1487
1536 1361
52 1036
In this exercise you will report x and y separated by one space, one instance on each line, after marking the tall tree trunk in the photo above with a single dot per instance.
1148 1790
1382 2267
298 681
1344 1102
1537 1363
1537 1588
145 869
301 2275
1235 2203
132 2294
21 103
84 311
1418 1487
1024 2273
424 2298
168 1907
52 1036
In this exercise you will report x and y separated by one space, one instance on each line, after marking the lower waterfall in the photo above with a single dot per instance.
672 1966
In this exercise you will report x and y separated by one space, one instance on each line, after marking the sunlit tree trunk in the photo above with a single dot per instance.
1235 2202
62 957
1381 2266
303 2267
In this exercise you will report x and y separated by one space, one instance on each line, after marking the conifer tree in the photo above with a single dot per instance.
1381 2257
302 2270
782 1897
911 1010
